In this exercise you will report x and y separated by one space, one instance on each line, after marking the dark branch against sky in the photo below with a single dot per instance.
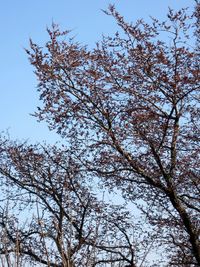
22 19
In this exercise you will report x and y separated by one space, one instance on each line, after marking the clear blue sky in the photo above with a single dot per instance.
22 19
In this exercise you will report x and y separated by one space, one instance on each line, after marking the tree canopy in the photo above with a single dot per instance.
128 112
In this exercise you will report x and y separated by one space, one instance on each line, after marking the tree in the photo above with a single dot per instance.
68 225
129 111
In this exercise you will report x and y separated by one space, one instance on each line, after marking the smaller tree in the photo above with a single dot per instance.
52 216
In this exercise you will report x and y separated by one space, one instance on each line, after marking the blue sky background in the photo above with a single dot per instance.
22 19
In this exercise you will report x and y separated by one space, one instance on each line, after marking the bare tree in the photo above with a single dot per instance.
52 216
